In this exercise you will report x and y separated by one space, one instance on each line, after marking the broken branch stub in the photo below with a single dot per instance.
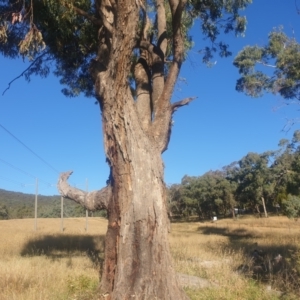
95 200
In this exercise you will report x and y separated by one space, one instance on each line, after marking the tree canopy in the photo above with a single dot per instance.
66 36
273 68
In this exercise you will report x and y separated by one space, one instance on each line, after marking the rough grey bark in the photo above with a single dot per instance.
138 263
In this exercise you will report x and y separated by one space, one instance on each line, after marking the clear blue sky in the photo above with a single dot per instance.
220 127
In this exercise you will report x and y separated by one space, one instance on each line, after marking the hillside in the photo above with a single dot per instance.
16 205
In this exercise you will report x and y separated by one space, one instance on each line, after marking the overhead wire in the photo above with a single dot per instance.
11 180
34 153
20 170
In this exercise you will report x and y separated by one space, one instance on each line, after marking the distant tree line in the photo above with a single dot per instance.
258 184
14 205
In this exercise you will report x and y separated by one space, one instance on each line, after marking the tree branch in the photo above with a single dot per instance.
177 8
163 114
86 15
95 200
23 73
265 64
183 102
158 57
94 20
143 88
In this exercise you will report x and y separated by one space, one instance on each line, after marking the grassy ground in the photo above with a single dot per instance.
48 264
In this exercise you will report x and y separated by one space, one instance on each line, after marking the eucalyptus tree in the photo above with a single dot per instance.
127 54
226 200
208 194
291 206
273 68
280 170
197 196
285 174
254 183
175 199
286 167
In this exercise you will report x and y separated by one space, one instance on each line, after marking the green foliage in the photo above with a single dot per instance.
254 179
217 17
282 55
52 33
56 37
292 207
205 195
273 176
18 206
3 212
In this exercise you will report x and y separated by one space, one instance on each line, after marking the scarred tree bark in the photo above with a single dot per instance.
136 131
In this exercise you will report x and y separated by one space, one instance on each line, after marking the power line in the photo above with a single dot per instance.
18 169
29 149
14 181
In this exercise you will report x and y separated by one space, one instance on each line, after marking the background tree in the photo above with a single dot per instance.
128 55
226 193
3 212
285 169
272 177
197 196
281 59
175 199
253 178
291 206
208 195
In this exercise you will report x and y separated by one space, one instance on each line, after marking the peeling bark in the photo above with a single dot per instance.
138 262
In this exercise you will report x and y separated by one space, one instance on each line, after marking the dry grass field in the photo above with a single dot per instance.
50 265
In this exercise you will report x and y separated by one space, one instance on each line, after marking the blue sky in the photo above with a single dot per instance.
220 127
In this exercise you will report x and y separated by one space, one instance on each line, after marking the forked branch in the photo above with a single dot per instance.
95 200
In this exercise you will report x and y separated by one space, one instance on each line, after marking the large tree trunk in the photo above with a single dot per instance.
137 257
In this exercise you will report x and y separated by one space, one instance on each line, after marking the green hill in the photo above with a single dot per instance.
16 205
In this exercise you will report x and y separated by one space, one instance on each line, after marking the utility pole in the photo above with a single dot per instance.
61 213
86 211
35 205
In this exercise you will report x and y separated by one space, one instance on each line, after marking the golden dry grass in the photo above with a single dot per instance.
216 250
48 264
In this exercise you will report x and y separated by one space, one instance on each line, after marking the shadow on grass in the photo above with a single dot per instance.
273 262
66 246
243 239
237 233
